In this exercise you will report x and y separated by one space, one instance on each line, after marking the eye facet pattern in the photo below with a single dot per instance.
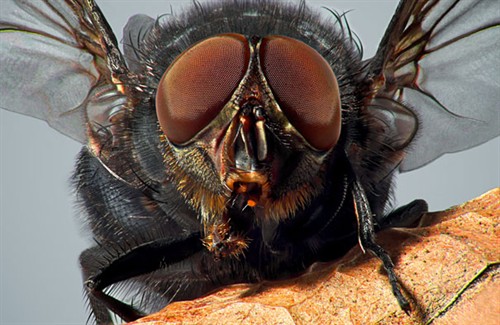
198 84
305 88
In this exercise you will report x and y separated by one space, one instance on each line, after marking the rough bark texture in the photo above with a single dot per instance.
449 267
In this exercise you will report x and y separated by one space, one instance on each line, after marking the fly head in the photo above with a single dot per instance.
248 124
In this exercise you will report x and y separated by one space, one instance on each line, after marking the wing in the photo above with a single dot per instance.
59 62
440 60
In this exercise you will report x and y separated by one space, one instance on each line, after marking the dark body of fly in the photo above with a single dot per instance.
244 141
322 229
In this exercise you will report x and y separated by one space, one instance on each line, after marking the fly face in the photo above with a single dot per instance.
131 178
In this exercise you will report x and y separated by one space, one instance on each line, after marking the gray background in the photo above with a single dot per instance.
40 234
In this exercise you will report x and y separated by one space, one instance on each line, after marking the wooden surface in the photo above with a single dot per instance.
448 266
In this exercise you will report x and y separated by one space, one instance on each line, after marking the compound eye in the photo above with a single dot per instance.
198 84
305 87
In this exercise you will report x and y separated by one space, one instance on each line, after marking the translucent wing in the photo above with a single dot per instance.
440 59
59 62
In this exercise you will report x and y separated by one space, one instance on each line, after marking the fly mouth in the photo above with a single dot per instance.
249 187
251 192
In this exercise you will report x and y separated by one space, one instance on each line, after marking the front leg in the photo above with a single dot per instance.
142 259
405 216
366 236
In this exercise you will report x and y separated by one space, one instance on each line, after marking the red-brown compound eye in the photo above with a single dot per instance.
198 84
305 87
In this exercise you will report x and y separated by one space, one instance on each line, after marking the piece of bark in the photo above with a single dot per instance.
448 266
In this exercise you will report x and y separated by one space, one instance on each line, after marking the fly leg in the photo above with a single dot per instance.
139 260
366 236
405 216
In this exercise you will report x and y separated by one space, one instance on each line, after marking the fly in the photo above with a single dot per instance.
233 144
